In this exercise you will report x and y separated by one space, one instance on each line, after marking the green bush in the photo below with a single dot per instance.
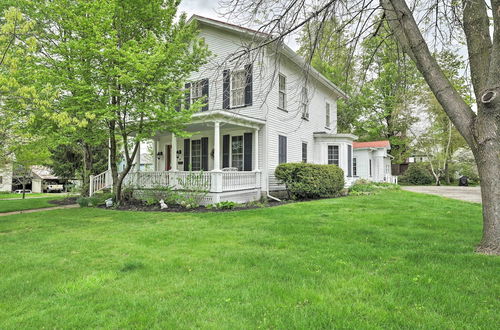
96 200
417 174
83 201
305 181
225 205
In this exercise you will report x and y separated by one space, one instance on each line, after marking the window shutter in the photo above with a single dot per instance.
282 149
187 97
225 151
248 85
225 89
187 154
247 151
204 154
204 92
349 160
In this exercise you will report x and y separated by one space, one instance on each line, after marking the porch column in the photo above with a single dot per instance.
216 146
155 157
256 149
173 154
138 158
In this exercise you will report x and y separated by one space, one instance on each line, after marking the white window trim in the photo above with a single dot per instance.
231 149
307 151
199 85
191 153
286 150
282 92
332 145
232 74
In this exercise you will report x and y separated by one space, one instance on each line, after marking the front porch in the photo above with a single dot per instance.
221 157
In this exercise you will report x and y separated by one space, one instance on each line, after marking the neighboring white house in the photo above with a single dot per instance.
372 161
263 109
6 178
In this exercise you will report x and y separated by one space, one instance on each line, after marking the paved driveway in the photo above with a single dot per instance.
468 194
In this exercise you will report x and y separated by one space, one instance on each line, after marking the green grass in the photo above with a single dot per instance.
390 260
26 204
32 195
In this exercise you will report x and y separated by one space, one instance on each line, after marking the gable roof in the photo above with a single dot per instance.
43 172
285 50
372 144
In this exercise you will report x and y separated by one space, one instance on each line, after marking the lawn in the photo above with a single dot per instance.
392 260
27 204
32 195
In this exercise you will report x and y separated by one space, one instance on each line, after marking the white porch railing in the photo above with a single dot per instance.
100 182
182 180
187 180
239 180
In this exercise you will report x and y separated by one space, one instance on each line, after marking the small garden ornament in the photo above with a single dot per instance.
109 202
163 205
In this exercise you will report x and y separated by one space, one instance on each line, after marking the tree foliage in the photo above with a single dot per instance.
119 67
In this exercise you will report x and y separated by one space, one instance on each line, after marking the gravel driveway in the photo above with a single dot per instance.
468 194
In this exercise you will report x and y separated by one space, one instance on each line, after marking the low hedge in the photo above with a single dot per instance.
308 181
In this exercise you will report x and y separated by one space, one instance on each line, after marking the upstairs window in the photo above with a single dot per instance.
327 115
196 90
304 103
333 155
282 92
238 79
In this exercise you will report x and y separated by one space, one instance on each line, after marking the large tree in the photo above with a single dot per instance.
478 20
120 67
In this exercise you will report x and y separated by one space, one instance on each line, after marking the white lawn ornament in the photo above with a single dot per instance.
163 205
109 202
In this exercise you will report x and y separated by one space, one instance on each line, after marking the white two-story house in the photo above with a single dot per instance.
263 108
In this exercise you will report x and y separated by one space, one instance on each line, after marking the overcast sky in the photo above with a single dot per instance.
210 8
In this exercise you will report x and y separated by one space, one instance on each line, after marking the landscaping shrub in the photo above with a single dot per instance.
96 200
417 174
83 201
225 205
304 181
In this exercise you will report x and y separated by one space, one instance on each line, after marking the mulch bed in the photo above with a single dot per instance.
64 201
140 206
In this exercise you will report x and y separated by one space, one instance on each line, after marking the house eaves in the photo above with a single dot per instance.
284 49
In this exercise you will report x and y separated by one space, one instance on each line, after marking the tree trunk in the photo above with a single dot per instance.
481 131
24 188
87 169
447 172
488 164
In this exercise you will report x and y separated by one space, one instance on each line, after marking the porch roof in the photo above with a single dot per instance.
335 137
225 116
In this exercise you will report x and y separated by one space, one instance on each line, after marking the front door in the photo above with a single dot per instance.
168 157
